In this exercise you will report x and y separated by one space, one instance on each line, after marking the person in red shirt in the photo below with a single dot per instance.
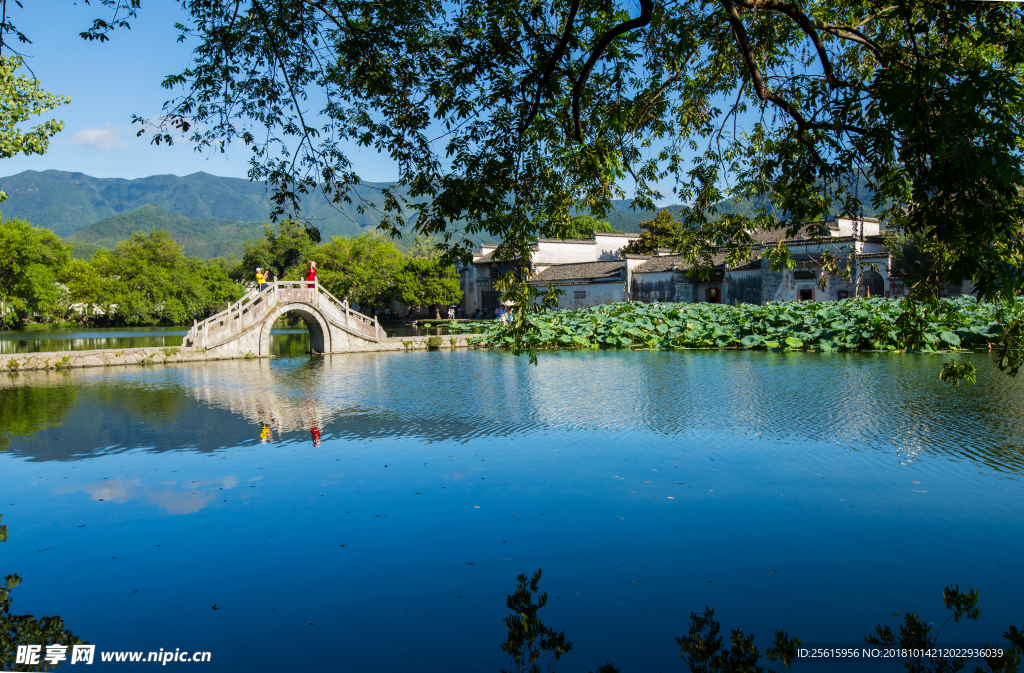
311 273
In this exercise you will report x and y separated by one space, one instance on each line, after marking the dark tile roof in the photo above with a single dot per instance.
809 230
754 265
488 258
616 234
579 241
596 271
666 262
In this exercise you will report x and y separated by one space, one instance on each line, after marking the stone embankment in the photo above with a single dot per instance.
148 356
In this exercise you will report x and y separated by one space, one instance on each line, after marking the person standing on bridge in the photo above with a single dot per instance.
311 273
261 279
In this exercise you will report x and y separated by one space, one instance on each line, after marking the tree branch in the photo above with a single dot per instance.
646 9
550 69
762 91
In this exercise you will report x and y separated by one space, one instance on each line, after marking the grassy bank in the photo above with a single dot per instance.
853 324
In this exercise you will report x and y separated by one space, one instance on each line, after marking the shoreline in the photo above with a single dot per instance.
112 357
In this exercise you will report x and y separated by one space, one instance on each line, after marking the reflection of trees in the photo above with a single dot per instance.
884 402
27 409
18 630
528 638
703 650
149 403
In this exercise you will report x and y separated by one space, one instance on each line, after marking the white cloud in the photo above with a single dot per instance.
104 139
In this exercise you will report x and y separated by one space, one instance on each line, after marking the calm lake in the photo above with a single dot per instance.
189 506
95 338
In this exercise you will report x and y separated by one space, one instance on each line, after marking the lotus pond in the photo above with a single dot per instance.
849 325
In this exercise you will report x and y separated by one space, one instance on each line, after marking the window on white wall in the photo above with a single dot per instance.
579 294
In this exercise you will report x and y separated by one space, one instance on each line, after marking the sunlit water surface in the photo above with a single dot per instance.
816 493
100 338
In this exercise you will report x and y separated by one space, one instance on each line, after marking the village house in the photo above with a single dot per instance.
596 271
858 243
589 271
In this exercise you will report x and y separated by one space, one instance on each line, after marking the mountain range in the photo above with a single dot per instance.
209 215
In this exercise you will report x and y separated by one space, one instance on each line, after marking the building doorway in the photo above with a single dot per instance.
489 301
870 284
713 295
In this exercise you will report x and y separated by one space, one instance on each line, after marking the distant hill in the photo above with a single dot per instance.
69 202
203 238
209 215
628 221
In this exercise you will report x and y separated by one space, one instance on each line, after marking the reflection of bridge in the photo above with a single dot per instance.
244 327
287 402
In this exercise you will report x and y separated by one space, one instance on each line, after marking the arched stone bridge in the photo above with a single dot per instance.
244 327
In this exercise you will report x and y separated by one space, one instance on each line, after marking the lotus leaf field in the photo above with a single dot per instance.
849 325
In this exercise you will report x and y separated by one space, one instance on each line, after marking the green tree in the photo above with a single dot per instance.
364 269
425 247
82 281
425 282
147 279
583 225
21 99
30 260
664 231
284 250
568 100
913 108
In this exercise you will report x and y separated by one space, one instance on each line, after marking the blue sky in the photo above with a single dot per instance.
107 83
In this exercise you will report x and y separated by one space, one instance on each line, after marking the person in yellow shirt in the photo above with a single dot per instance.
261 278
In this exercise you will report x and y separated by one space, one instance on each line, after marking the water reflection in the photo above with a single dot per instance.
56 340
42 643
856 401
916 647
26 409
172 496
60 340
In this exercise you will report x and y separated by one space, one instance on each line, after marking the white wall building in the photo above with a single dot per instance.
595 271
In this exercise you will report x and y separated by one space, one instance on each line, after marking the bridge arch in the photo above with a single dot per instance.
316 323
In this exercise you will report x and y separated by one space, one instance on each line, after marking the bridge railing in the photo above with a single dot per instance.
254 305
235 318
354 320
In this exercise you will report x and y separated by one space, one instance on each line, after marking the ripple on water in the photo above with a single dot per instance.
882 402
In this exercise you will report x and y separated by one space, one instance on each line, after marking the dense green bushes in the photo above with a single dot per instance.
146 279
368 269
853 324
30 259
